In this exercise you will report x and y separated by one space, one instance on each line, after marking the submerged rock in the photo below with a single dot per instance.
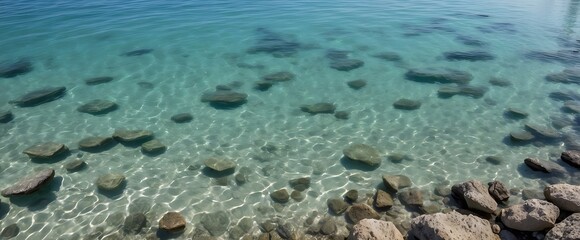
516 113
46 150
279 77
30 183
134 223
40 96
319 108
407 104
468 56
351 196
75 165
396 182
94 143
274 43
300 184
476 195
469 91
153 147
182 118
571 107
363 153
571 157
216 223
225 98
570 75
337 206
500 82
219 164
172 222
543 166
372 229
565 196
10 231
280 196
98 80
131 136
411 197
263 85
6 116
383 199
521 136
531 215
110 182
566 230
13 69
98 107
360 211
346 64
434 75
453 225
388 56
357 84
137 52
542 131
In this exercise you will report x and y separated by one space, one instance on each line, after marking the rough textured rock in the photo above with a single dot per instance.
263 85
131 136
319 108
363 153
468 56
357 84
383 199
6 116
434 75
543 166
153 147
98 80
93 143
134 223
46 150
411 197
450 226
565 196
13 69
371 229
361 211
182 118
498 191
279 77
396 182
280 196
571 157
40 96
30 183
219 164
407 104
98 107
110 182
476 196
531 215
216 223
337 206
566 230
300 184
172 222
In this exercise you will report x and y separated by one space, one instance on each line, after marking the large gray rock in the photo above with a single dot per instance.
532 215
565 196
361 211
498 191
172 222
363 153
434 75
110 182
219 164
476 196
450 226
98 107
93 143
566 230
371 229
46 150
131 136
30 183
337 206
40 96
396 182
383 199
571 157
216 223
543 166
153 147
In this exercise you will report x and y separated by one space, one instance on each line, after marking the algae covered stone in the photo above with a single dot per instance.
363 153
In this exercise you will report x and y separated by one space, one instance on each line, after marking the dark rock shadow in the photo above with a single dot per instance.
507 140
154 153
114 194
103 112
350 164
4 210
162 234
226 106
513 116
54 159
551 178
105 147
208 172
136 143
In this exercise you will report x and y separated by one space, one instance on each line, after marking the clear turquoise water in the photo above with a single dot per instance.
199 44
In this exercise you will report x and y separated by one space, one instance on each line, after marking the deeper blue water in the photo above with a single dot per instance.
197 45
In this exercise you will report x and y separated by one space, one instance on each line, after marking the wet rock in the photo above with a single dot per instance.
137 52
75 165
319 108
300 184
40 96
566 230
542 166
363 153
241 178
351 196
542 131
341 115
495 160
411 197
561 121
531 215
375 229
216 223
274 43
46 150
30 183
279 77
280 196
182 118
6 116
498 191
10 231
532 194
361 211
98 80
286 231
337 206
565 196
569 75
434 75
268 226
219 164
225 98
521 136
172 222
383 199
263 85
468 56
442 190
132 136
297 196
407 104
571 157
153 147
476 196
571 107
110 182
516 113
388 56
451 225
396 182
346 64
94 143
357 84
469 91
13 69
134 223
327 226
500 82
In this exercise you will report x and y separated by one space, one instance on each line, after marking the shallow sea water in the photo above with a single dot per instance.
198 45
